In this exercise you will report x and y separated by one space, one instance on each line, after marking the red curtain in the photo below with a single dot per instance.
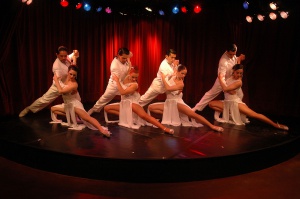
31 34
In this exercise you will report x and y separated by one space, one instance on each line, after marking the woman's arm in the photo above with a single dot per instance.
129 90
177 86
230 87
63 90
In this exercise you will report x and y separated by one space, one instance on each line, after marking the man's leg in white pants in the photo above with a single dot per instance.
148 97
41 102
110 92
208 96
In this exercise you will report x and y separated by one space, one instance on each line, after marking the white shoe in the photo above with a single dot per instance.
24 112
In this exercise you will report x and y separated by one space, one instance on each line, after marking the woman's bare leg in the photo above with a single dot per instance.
85 116
142 114
250 113
156 108
112 109
191 114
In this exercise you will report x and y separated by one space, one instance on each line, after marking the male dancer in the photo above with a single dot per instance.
60 68
167 67
119 67
227 61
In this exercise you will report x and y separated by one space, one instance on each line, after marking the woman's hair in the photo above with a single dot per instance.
122 51
73 67
237 67
61 48
181 67
134 69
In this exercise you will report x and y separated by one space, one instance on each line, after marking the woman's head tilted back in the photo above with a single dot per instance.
238 71
134 73
73 71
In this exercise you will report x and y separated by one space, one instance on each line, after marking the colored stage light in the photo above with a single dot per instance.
245 5
175 10
249 19
87 7
273 6
260 17
78 6
197 9
64 3
183 9
272 16
99 9
161 12
108 10
284 14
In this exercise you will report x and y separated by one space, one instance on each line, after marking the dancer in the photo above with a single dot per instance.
227 61
233 104
174 87
128 90
60 68
119 67
167 67
66 88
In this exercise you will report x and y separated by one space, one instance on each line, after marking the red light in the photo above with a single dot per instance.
197 9
78 6
183 9
64 3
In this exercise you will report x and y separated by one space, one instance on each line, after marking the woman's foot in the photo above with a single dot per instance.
218 128
282 127
106 133
169 131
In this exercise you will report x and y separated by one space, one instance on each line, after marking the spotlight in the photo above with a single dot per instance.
197 9
161 12
64 3
273 6
249 19
108 10
183 9
272 16
260 17
78 6
148 9
246 5
28 2
175 10
99 9
284 14
87 7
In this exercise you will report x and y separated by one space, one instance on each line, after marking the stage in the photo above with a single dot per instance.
147 154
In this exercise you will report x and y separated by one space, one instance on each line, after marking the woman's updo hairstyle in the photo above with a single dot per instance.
181 67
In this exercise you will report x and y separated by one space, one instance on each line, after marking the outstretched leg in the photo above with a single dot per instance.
137 109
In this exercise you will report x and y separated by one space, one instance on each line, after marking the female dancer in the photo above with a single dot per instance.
66 88
174 88
128 91
233 104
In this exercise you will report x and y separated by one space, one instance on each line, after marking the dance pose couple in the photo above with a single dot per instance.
169 80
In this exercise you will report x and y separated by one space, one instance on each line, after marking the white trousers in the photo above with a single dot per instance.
148 96
110 92
209 96
45 100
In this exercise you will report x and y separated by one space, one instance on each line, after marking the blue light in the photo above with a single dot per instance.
87 7
161 12
99 9
246 5
175 10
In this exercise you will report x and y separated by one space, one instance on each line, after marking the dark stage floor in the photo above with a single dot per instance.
146 155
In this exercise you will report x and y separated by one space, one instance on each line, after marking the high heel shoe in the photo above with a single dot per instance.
283 127
106 133
171 131
218 129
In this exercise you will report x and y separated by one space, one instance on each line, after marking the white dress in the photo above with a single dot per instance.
127 117
171 115
70 102
231 112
